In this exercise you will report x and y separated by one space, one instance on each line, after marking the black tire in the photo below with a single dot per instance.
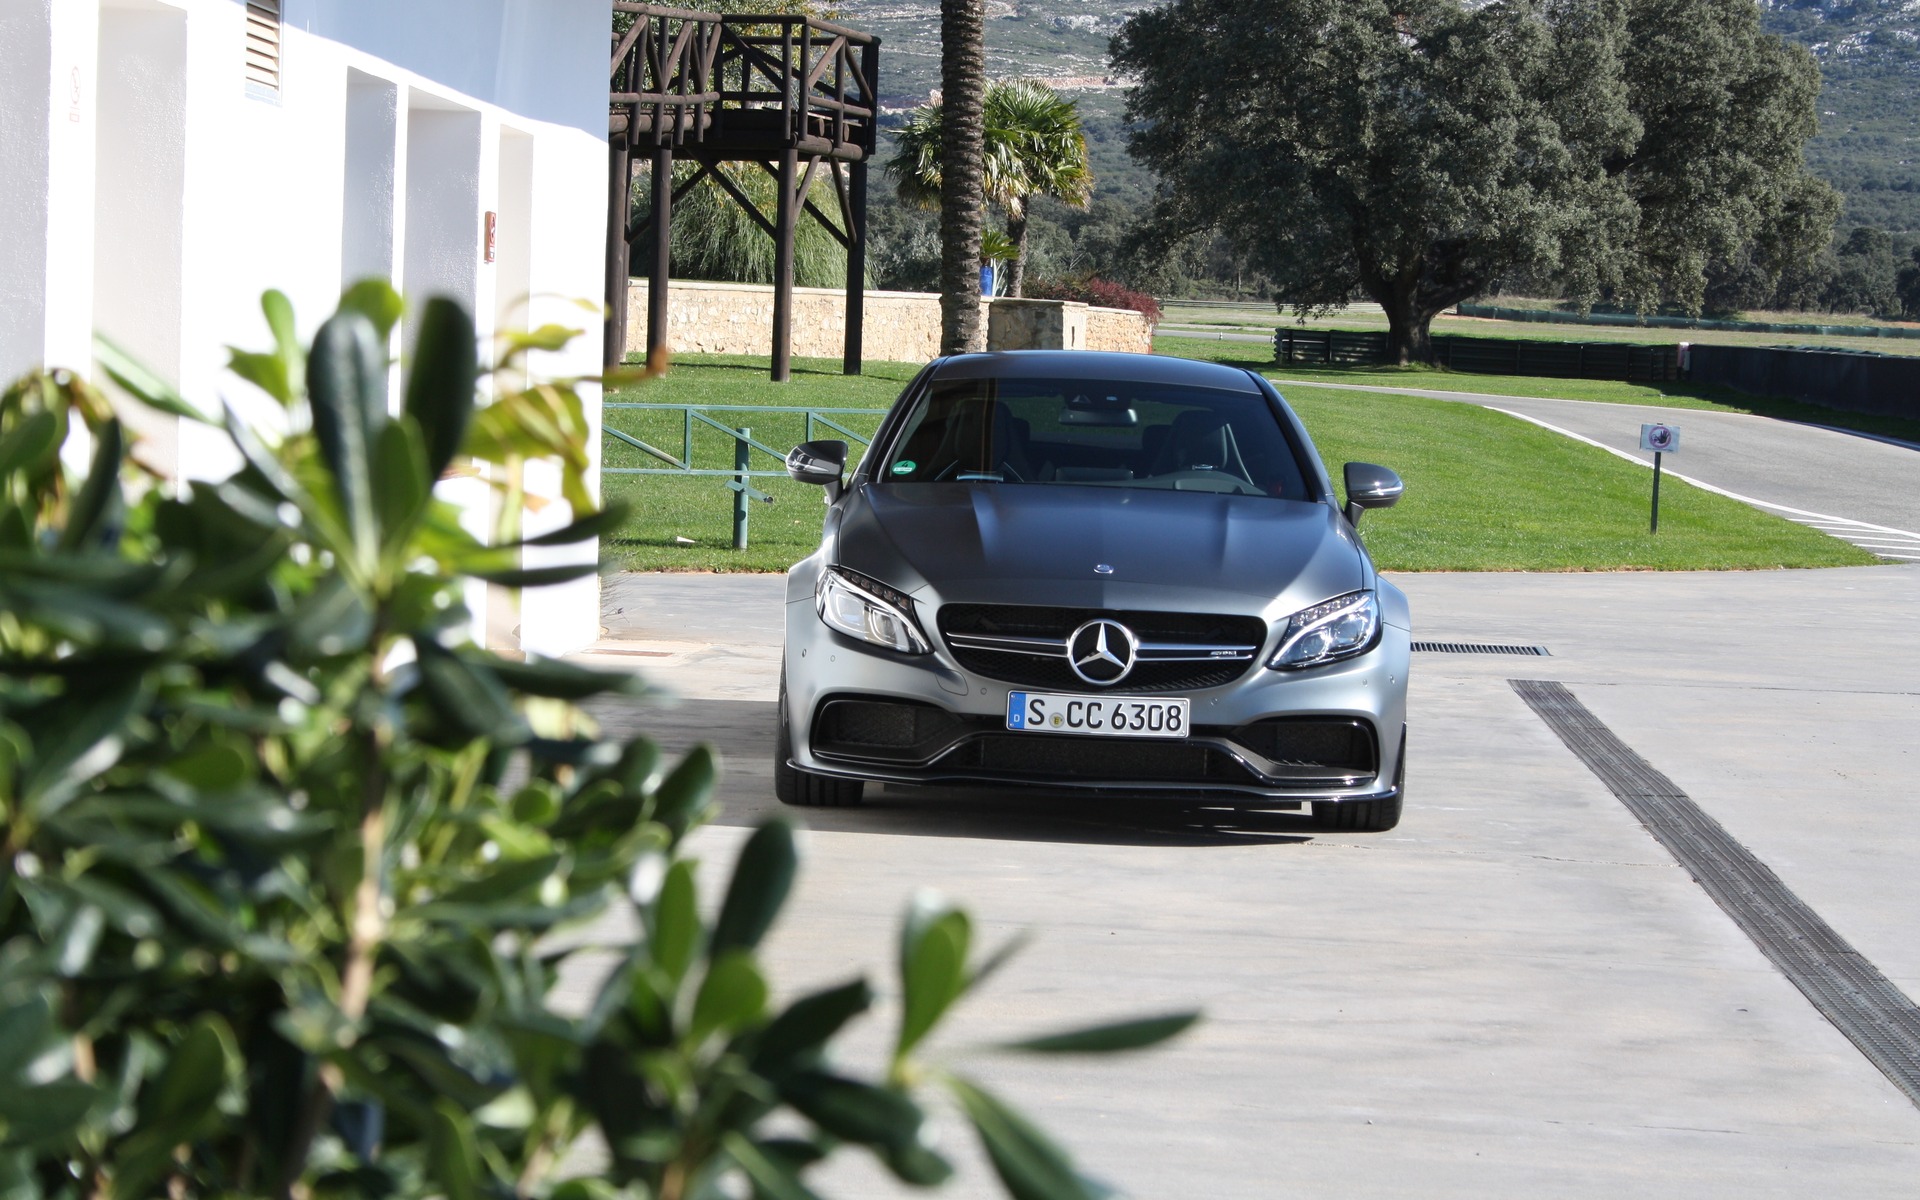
804 789
1367 816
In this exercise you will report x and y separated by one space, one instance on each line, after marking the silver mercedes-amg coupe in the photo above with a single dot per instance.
1120 572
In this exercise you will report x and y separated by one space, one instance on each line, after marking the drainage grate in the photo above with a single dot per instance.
1847 989
1479 648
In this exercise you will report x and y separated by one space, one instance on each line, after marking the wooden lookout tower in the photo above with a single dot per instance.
788 93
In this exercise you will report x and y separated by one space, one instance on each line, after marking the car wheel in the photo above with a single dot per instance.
804 789
1367 816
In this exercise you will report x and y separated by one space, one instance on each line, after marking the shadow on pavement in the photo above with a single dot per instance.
743 733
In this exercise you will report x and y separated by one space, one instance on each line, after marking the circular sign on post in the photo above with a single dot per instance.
1661 439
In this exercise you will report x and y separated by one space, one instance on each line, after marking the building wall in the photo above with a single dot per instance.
737 318
150 193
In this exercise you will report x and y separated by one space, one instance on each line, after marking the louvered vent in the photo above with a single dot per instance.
263 44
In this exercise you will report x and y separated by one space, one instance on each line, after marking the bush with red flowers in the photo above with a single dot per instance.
1103 293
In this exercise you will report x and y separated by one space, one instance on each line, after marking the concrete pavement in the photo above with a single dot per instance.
1515 993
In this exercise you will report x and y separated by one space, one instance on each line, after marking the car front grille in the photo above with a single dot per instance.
1025 645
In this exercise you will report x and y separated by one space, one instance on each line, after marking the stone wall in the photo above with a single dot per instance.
737 318
1118 329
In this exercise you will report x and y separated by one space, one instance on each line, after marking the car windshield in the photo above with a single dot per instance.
1095 433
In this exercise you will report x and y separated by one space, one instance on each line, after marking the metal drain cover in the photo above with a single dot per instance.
1479 648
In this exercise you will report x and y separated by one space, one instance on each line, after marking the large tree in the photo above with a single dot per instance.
1032 145
1420 151
963 85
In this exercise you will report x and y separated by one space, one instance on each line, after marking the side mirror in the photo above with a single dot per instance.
1370 486
821 463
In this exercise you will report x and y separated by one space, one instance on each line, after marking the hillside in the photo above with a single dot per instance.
1869 141
1869 53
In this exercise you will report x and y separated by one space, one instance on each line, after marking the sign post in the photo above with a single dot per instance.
1662 440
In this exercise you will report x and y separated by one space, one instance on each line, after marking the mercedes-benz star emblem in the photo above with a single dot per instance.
1102 652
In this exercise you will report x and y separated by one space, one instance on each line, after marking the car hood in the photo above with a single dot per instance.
1040 544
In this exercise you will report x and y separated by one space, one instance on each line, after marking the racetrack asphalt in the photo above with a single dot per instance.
1517 992
1855 486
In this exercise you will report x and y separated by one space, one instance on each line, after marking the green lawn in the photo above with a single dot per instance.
700 508
1611 391
1484 492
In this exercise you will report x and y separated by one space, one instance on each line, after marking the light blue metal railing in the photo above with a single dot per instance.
744 444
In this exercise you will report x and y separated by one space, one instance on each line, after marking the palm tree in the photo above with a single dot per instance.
1032 146
963 81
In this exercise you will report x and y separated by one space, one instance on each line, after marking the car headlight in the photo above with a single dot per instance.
869 610
1340 628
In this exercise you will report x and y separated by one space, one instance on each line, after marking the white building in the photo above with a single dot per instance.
163 162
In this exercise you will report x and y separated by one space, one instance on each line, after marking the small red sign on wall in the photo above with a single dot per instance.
491 217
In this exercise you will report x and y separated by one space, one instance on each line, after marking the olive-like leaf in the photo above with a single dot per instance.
467 696
1102 1039
268 372
278 310
762 878
87 514
731 997
1028 1162
934 940
854 1110
684 798
30 443
770 1177
47 1114
453 1152
535 577
185 1091
375 300
802 1031
141 383
346 387
440 386
563 680
405 486
24 1027
591 525
81 749
676 922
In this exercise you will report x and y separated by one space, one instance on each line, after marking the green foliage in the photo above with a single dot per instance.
283 856
715 238
1423 152
1033 147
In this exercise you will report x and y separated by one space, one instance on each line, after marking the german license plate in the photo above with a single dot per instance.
1099 716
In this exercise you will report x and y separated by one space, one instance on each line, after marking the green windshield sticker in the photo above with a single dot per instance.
904 467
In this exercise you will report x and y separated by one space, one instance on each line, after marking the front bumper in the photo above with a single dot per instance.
1236 748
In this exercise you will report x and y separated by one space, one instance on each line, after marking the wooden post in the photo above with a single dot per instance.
657 282
619 191
856 264
784 206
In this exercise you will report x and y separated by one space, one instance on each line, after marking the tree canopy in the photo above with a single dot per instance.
1032 146
1422 151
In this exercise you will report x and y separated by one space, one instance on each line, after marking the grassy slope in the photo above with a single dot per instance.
1665 395
1484 492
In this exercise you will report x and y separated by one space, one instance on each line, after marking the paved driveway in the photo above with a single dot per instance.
1863 489
1515 993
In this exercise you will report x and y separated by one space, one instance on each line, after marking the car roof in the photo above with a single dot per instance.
1095 364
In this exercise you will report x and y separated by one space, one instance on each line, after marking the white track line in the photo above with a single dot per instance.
1844 522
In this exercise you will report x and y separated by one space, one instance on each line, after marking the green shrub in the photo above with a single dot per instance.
284 854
